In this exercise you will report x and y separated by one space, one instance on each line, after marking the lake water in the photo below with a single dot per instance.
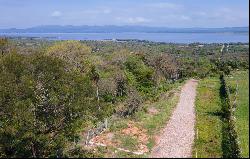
155 37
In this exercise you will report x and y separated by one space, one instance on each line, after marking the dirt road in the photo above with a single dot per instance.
177 137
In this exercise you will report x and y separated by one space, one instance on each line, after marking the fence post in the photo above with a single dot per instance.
196 151
87 140
99 128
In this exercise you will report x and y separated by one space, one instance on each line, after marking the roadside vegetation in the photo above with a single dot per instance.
137 132
53 92
241 78
222 112
208 120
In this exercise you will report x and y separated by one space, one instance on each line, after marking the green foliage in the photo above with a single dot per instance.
41 106
93 74
165 64
79 152
139 74
3 45
223 66
72 52
52 90
200 68
229 143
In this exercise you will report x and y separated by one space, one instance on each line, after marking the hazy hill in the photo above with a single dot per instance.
120 29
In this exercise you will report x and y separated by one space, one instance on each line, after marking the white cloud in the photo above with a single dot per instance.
175 18
107 11
138 20
226 10
96 11
201 13
133 20
184 17
164 5
56 14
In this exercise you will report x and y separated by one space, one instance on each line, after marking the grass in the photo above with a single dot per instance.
213 140
122 154
242 110
208 142
128 142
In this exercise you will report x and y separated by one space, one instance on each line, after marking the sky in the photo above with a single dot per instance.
164 13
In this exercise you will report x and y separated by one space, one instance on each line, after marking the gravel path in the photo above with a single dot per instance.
177 138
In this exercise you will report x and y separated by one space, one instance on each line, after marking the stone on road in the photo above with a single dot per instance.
177 137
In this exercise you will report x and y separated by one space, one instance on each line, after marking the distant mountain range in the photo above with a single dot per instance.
121 29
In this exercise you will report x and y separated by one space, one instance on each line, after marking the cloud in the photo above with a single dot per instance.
56 14
133 20
184 17
164 5
107 11
138 20
219 14
96 11
175 18
201 13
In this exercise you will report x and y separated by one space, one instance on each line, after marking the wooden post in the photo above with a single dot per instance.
87 140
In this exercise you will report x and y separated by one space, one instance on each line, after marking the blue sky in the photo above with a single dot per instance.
168 13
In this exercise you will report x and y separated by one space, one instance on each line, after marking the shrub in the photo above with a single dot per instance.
41 106
139 74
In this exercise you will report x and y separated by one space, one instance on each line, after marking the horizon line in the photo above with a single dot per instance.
44 25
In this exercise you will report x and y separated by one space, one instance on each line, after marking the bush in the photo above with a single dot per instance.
41 106
139 74
132 103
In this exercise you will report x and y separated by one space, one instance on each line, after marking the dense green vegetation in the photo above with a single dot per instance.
42 106
230 145
242 107
52 91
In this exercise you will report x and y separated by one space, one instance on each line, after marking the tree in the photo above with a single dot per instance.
41 106
167 65
139 74
94 76
121 84
73 52
3 45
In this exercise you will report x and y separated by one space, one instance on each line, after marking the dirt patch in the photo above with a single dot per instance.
106 139
109 139
139 133
152 111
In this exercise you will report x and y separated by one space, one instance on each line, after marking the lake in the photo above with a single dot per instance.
155 37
